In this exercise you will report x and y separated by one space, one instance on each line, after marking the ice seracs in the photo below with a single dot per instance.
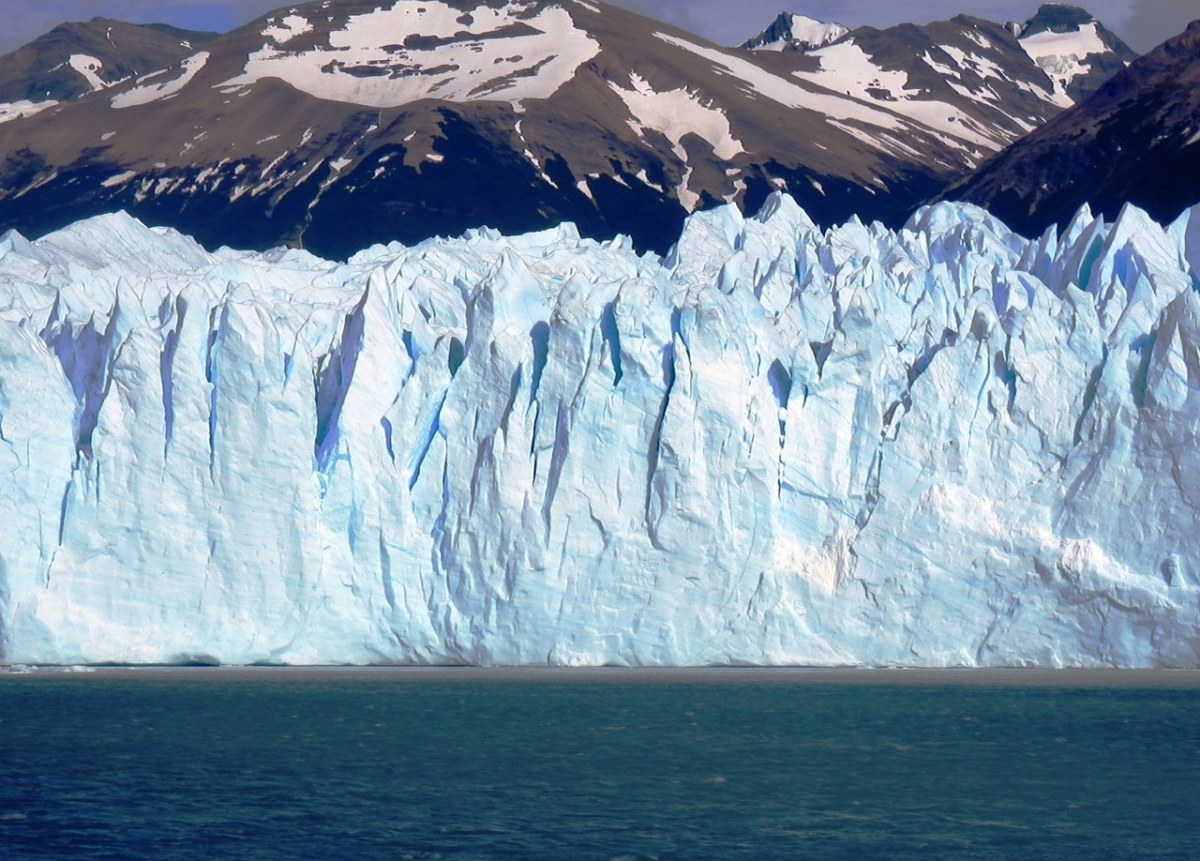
944 445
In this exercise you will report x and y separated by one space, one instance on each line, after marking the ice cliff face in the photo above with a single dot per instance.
942 446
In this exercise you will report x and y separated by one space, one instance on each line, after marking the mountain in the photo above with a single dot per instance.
1075 50
73 60
946 446
1137 139
335 124
973 80
791 32
967 77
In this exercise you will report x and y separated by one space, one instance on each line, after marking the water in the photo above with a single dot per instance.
471 765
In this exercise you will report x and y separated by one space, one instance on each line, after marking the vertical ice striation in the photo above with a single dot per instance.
946 445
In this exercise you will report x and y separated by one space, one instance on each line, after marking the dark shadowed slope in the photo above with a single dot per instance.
1136 140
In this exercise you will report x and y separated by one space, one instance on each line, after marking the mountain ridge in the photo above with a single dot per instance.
78 58
443 116
1133 141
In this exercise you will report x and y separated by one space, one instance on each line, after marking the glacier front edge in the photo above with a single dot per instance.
942 446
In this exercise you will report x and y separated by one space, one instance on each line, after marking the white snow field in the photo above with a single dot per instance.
942 446
490 53
1062 56
160 90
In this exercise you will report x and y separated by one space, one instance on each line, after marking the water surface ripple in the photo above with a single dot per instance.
404 765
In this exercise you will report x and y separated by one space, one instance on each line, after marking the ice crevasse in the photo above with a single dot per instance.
942 446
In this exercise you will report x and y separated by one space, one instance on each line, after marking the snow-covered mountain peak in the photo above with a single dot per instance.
1068 44
799 32
968 78
1056 18
390 54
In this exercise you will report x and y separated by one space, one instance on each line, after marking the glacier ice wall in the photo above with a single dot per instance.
942 446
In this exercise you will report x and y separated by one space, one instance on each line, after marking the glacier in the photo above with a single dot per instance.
946 445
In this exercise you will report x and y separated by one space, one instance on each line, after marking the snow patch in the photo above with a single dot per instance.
506 54
846 67
287 28
90 68
758 80
980 65
119 179
1061 55
980 40
645 180
24 108
677 113
148 93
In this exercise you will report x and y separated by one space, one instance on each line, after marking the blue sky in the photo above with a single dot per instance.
1142 23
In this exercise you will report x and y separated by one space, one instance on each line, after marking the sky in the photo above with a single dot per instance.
1142 23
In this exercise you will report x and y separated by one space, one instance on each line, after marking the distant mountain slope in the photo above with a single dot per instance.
966 77
1136 140
981 84
335 124
75 59
344 122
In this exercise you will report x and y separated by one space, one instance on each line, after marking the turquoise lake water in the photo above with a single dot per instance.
737 764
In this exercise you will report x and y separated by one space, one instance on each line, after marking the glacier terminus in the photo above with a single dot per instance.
945 445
